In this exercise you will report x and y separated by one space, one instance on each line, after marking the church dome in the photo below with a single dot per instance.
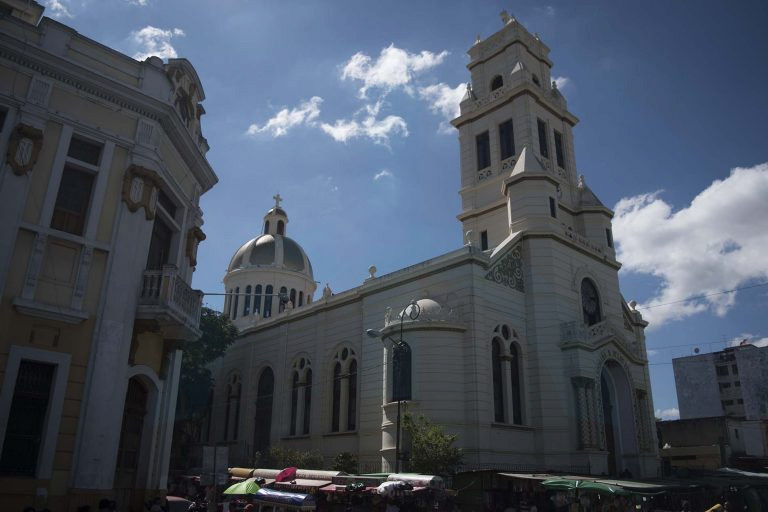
272 250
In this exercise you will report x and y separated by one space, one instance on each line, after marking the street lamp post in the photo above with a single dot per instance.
400 348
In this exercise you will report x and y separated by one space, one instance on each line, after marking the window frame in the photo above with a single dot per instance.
506 140
483 150
543 135
50 435
559 149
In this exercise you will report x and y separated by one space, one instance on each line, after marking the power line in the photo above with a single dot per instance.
694 297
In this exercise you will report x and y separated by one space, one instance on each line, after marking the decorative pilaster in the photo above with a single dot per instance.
584 392
81 283
33 266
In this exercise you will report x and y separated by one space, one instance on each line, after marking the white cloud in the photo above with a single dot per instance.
444 100
306 113
750 339
717 243
155 41
377 130
59 9
393 68
561 81
668 414
651 352
138 2
384 173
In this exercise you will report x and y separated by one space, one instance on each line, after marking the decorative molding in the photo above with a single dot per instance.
509 270
39 91
194 236
140 189
23 148
145 132
48 312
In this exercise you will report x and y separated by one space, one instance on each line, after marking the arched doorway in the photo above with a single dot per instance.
618 419
128 471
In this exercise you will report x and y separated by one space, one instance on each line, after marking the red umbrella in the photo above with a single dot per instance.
286 475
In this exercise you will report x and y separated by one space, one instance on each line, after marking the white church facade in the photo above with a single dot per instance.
523 346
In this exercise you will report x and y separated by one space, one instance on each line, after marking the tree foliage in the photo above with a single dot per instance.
432 450
196 379
278 457
346 462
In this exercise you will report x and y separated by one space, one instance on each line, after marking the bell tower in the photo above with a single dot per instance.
518 169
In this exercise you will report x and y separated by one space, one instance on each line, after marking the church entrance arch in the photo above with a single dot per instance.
618 418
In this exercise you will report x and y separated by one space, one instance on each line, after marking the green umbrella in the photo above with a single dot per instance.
245 487
564 484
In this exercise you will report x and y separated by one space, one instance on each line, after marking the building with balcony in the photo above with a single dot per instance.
523 345
103 167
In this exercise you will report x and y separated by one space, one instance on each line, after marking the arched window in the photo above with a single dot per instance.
497 82
263 421
514 365
590 302
352 396
301 298
294 402
266 227
257 300
280 227
293 297
281 304
232 416
307 400
336 407
506 369
401 372
237 301
498 385
247 301
268 301
535 79
301 396
344 398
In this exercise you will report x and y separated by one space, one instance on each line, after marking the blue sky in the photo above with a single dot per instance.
341 107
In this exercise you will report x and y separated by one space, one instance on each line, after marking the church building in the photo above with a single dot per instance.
519 341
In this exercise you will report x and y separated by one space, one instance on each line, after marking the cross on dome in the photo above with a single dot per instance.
277 199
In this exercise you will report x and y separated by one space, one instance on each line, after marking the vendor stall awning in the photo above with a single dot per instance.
285 498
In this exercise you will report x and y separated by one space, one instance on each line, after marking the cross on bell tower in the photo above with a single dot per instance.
276 218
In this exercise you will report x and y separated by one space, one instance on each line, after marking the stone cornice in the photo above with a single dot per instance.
74 75
521 90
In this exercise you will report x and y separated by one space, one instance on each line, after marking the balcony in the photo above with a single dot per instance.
168 301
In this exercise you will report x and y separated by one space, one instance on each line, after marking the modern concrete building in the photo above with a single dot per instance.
103 166
523 345
732 382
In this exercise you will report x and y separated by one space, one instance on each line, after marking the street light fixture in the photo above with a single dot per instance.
412 311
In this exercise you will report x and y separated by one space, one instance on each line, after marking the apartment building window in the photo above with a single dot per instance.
727 403
543 141
27 418
722 371
740 401
483 149
737 384
506 139
76 186
484 240
735 369
3 115
725 385
559 149
159 245
71 208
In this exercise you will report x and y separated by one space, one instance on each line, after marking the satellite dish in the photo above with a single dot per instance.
696 350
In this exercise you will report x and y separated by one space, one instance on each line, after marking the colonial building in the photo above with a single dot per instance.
103 166
519 341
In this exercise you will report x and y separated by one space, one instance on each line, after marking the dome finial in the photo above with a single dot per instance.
277 199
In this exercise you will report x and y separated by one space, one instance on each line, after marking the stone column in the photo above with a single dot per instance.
582 415
106 378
